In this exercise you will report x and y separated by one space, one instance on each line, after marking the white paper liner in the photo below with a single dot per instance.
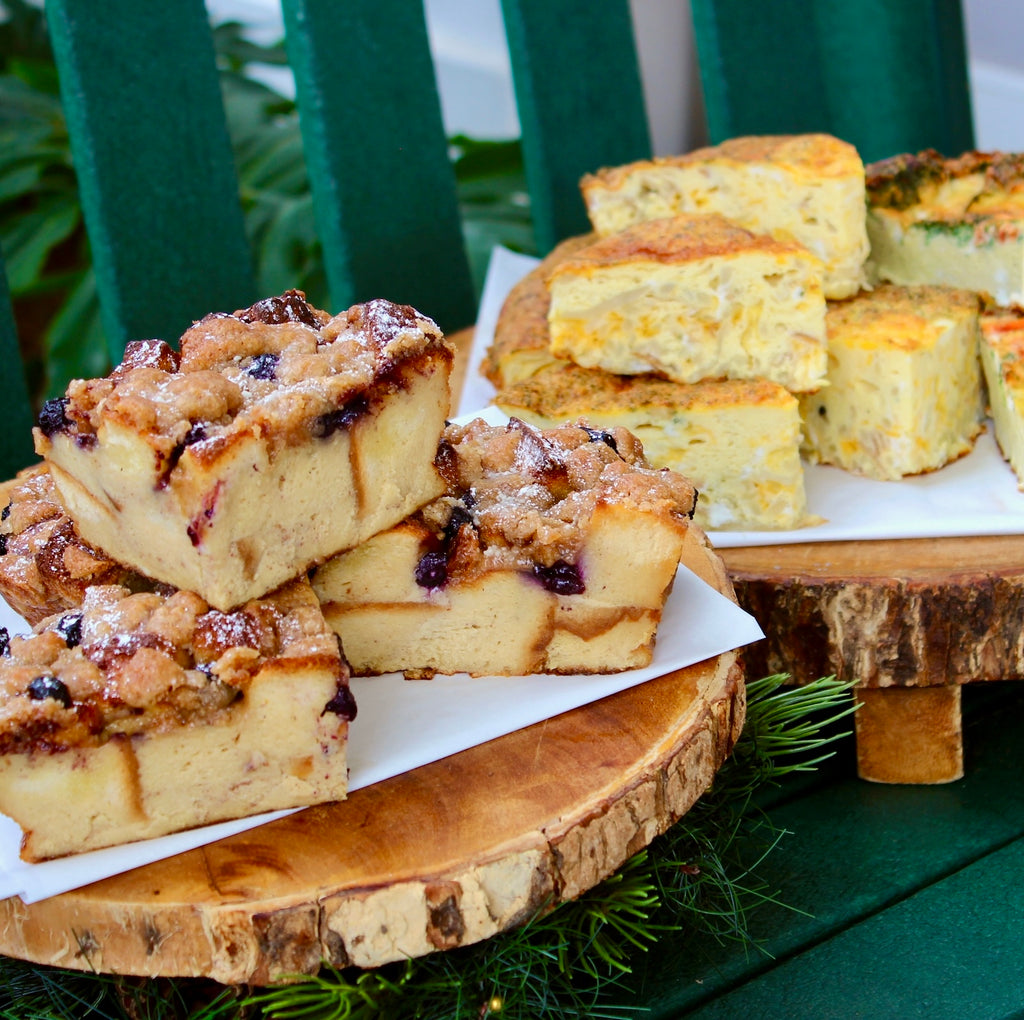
403 724
975 495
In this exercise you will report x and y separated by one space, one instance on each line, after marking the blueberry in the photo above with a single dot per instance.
52 417
6 512
460 516
5 641
3 545
432 569
44 687
560 578
343 704
328 424
602 436
195 434
69 627
263 366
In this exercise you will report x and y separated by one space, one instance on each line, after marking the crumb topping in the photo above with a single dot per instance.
131 662
521 497
276 370
45 566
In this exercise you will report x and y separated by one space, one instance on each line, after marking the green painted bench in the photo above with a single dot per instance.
908 898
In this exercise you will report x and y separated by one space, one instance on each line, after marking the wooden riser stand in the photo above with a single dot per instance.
909 621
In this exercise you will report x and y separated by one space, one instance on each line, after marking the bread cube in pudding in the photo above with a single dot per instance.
278 436
551 552
143 714
904 393
690 298
807 188
738 441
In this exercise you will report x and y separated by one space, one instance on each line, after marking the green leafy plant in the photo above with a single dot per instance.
701 878
42 234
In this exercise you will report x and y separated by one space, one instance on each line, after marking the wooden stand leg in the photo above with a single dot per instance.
909 734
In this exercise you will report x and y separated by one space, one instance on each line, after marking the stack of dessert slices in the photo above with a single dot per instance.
219 534
960 222
722 309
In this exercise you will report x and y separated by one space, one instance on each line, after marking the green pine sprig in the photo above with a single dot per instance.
701 877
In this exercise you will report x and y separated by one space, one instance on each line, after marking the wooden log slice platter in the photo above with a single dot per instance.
908 620
442 856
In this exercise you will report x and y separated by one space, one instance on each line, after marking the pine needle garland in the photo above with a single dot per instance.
699 877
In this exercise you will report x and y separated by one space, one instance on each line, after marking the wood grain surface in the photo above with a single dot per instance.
899 613
441 856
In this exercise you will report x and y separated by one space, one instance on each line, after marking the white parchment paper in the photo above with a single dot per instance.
404 724
976 495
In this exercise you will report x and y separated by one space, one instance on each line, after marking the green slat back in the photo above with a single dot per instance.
887 77
580 100
382 182
16 435
155 168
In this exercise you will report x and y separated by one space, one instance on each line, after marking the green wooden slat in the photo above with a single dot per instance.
16 436
150 146
888 77
580 101
854 853
952 951
382 181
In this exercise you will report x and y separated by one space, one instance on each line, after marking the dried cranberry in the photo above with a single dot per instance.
343 704
263 366
52 417
69 626
43 687
432 569
327 424
560 578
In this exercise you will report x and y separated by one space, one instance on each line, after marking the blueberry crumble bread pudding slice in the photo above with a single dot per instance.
142 714
551 551
278 436
45 568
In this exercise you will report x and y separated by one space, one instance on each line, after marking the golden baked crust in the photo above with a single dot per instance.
277 436
552 551
1002 360
520 346
807 188
738 441
905 392
692 297
45 568
956 222
131 681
